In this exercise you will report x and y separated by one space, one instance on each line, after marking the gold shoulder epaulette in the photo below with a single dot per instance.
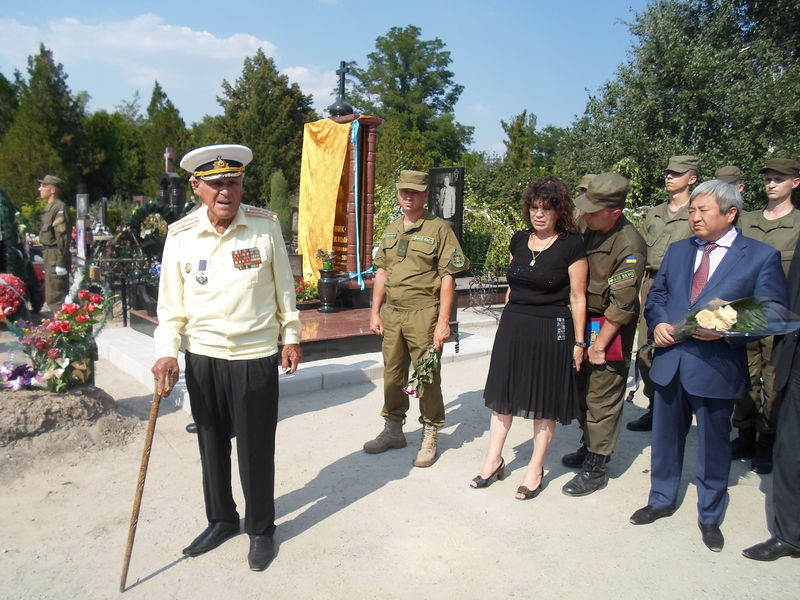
255 211
186 222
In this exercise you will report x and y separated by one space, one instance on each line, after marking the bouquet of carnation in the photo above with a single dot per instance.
62 348
740 318
18 377
423 373
12 295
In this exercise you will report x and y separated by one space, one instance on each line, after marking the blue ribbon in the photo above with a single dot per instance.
359 273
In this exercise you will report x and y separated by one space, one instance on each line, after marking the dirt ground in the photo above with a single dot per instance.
352 525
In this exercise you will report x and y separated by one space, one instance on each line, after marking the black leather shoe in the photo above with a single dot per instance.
191 428
648 514
643 423
214 535
744 444
772 549
712 536
262 551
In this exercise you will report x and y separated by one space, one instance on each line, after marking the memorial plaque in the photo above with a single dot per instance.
446 196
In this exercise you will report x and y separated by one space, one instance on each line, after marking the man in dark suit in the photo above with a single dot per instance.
786 458
704 374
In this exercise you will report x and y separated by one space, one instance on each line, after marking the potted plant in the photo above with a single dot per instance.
328 285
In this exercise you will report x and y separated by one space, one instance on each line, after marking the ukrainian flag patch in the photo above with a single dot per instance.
631 260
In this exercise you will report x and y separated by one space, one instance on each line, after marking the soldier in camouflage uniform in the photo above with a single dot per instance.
416 261
779 226
616 255
54 235
665 223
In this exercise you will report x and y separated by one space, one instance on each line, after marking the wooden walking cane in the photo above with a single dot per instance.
137 498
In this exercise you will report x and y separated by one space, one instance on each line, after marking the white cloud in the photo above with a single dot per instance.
317 82
479 108
112 59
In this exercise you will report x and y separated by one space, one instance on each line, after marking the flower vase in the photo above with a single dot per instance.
328 288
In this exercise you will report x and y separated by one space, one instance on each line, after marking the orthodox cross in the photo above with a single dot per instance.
341 72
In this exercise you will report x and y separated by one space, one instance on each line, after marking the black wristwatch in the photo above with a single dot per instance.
580 344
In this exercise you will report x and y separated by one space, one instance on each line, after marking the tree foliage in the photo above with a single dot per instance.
407 81
264 111
279 202
8 103
716 78
162 127
46 134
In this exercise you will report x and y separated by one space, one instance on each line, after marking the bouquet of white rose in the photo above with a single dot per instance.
741 318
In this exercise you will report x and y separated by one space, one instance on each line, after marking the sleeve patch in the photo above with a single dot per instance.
623 276
389 236
457 260
631 260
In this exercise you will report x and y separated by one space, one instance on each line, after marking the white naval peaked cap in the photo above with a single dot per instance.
219 160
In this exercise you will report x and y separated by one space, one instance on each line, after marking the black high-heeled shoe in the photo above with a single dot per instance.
530 494
499 472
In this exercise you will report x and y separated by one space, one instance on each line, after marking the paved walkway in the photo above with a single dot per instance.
353 526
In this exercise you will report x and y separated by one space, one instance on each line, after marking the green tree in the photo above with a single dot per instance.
47 132
408 82
717 78
162 127
264 111
279 202
115 157
8 103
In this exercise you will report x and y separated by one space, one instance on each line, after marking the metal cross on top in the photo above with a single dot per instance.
341 72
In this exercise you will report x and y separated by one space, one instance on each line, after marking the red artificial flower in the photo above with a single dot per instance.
70 308
82 318
96 298
53 353
64 326
91 307
54 325
39 344
83 294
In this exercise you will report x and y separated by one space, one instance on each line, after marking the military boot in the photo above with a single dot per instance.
575 459
762 454
392 436
592 477
427 449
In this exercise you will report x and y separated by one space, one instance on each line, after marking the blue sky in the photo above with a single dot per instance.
510 56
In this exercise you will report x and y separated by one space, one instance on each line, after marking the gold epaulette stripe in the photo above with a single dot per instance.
255 211
185 223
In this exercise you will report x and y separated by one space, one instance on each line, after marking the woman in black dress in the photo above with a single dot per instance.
540 340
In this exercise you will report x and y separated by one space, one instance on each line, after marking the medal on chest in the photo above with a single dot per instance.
201 277
248 258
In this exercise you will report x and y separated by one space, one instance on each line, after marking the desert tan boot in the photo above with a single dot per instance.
392 436
427 449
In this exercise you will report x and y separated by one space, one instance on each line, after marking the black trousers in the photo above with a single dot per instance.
236 398
786 480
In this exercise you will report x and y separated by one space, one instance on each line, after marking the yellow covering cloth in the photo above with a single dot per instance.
325 146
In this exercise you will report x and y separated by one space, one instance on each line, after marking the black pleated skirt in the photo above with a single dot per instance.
531 374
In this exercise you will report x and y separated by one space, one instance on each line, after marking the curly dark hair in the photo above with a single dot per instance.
554 194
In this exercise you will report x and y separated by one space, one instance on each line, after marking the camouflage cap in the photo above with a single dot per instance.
784 166
413 180
683 163
585 181
52 180
606 190
730 174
